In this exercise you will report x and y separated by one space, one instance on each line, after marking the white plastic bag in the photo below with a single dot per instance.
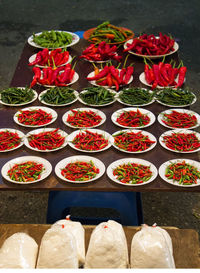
151 247
107 247
19 251
79 234
57 250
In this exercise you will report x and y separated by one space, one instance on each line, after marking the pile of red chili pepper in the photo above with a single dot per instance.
182 142
49 140
151 45
111 76
59 76
26 172
132 173
9 140
182 172
83 119
133 119
132 142
89 141
101 52
51 58
177 119
164 74
35 117
80 171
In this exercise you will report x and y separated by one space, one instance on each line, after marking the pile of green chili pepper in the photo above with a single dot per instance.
109 33
132 173
175 97
97 96
58 95
53 39
182 172
136 96
16 95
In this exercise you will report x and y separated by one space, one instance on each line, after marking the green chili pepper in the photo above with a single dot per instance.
58 95
136 96
16 95
97 96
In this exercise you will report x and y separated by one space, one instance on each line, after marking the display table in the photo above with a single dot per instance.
185 241
23 76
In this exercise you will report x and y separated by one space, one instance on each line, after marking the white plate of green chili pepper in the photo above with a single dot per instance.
17 96
181 172
58 96
26 170
94 169
53 39
132 172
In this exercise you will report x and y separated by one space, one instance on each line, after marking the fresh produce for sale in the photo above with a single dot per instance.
34 117
109 33
58 249
19 251
53 58
175 97
133 119
136 96
111 76
58 96
60 76
151 45
17 95
80 171
182 172
97 95
101 52
151 247
164 74
107 247
10 140
53 39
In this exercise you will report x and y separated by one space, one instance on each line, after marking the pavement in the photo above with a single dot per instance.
19 19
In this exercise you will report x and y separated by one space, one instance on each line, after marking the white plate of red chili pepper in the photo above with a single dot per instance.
84 118
133 118
26 170
34 56
179 119
35 116
10 139
134 141
181 141
46 139
80 169
181 172
90 140
132 172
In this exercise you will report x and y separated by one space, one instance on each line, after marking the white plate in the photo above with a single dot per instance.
163 167
20 134
105 134
145 133
135 105
97 105
32 59
76 158
116 163
176 131
46 109
117 113
178 106
75 40
169 111
143 80
98 112
22 159
20 104
43 130
75 79
176 47
57 105
96 84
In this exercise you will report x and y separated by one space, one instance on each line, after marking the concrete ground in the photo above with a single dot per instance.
19 19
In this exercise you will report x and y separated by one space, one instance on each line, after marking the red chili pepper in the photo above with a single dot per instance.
83 119
176 119
133 119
